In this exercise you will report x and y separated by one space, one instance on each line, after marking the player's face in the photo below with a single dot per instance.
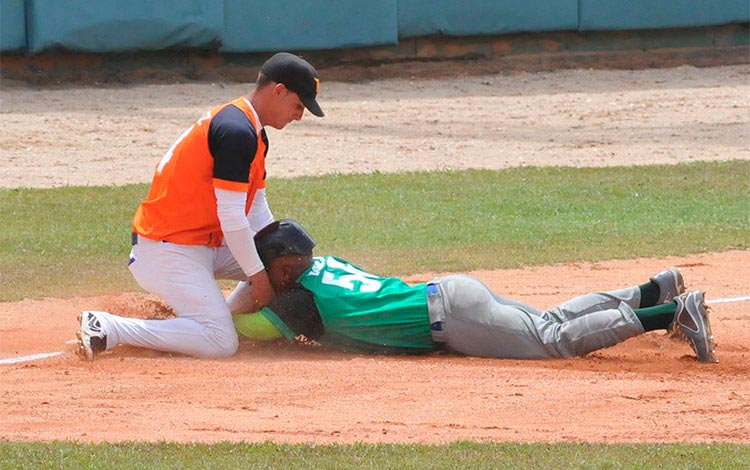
287 108
285 270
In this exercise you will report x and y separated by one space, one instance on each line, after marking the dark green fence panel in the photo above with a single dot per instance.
123 25
12 25
261 26
255 26
485 17
599 15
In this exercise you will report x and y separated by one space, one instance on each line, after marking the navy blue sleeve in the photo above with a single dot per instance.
233 143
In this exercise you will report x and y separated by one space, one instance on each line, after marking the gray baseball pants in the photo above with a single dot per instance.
471 319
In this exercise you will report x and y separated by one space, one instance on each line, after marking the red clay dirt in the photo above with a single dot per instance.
648 389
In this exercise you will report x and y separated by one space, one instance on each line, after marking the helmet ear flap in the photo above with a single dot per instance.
281 238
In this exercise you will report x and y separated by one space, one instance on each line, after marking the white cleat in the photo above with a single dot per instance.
91 340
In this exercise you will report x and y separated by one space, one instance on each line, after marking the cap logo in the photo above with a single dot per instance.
317 84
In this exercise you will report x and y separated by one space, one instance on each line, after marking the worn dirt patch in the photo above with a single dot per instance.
103 135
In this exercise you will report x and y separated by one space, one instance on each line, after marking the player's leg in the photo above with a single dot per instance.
662 287
183 277
594 302
477 322
480 323
603 319
596 330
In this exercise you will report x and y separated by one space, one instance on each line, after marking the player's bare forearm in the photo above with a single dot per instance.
261 291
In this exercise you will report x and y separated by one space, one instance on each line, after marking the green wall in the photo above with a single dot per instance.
12 25
485 17
35 26
255 25
122 25
597 15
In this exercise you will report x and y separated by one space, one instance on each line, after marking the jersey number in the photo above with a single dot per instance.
366 281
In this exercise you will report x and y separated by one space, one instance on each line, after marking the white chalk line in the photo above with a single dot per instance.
724 301
34 357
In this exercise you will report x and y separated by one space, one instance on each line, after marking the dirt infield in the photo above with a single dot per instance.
100 135
646 389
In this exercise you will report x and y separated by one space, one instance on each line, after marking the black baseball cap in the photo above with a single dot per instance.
297 75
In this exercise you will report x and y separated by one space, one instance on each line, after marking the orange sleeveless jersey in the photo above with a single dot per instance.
181 204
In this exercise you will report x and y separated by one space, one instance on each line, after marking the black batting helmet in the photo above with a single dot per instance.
281 238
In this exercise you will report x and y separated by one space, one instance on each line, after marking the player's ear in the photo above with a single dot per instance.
286 273
279 89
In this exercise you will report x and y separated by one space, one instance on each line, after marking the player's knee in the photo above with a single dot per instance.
222 345
228 347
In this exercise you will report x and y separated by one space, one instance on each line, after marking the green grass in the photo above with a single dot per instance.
75 241
454 221
459 455
67 241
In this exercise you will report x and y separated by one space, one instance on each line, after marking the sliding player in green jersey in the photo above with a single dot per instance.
338 304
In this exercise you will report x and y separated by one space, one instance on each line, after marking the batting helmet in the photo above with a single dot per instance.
281 238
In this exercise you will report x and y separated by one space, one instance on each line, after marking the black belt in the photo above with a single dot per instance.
134 239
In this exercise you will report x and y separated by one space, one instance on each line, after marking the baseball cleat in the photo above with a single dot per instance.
670 284
691 318
91 340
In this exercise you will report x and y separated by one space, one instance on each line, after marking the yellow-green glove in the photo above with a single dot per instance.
255 326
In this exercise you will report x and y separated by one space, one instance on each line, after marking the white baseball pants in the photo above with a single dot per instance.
185 277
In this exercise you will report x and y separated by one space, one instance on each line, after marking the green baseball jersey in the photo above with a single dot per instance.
358 310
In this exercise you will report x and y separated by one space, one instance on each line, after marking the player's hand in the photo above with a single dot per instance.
261 291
